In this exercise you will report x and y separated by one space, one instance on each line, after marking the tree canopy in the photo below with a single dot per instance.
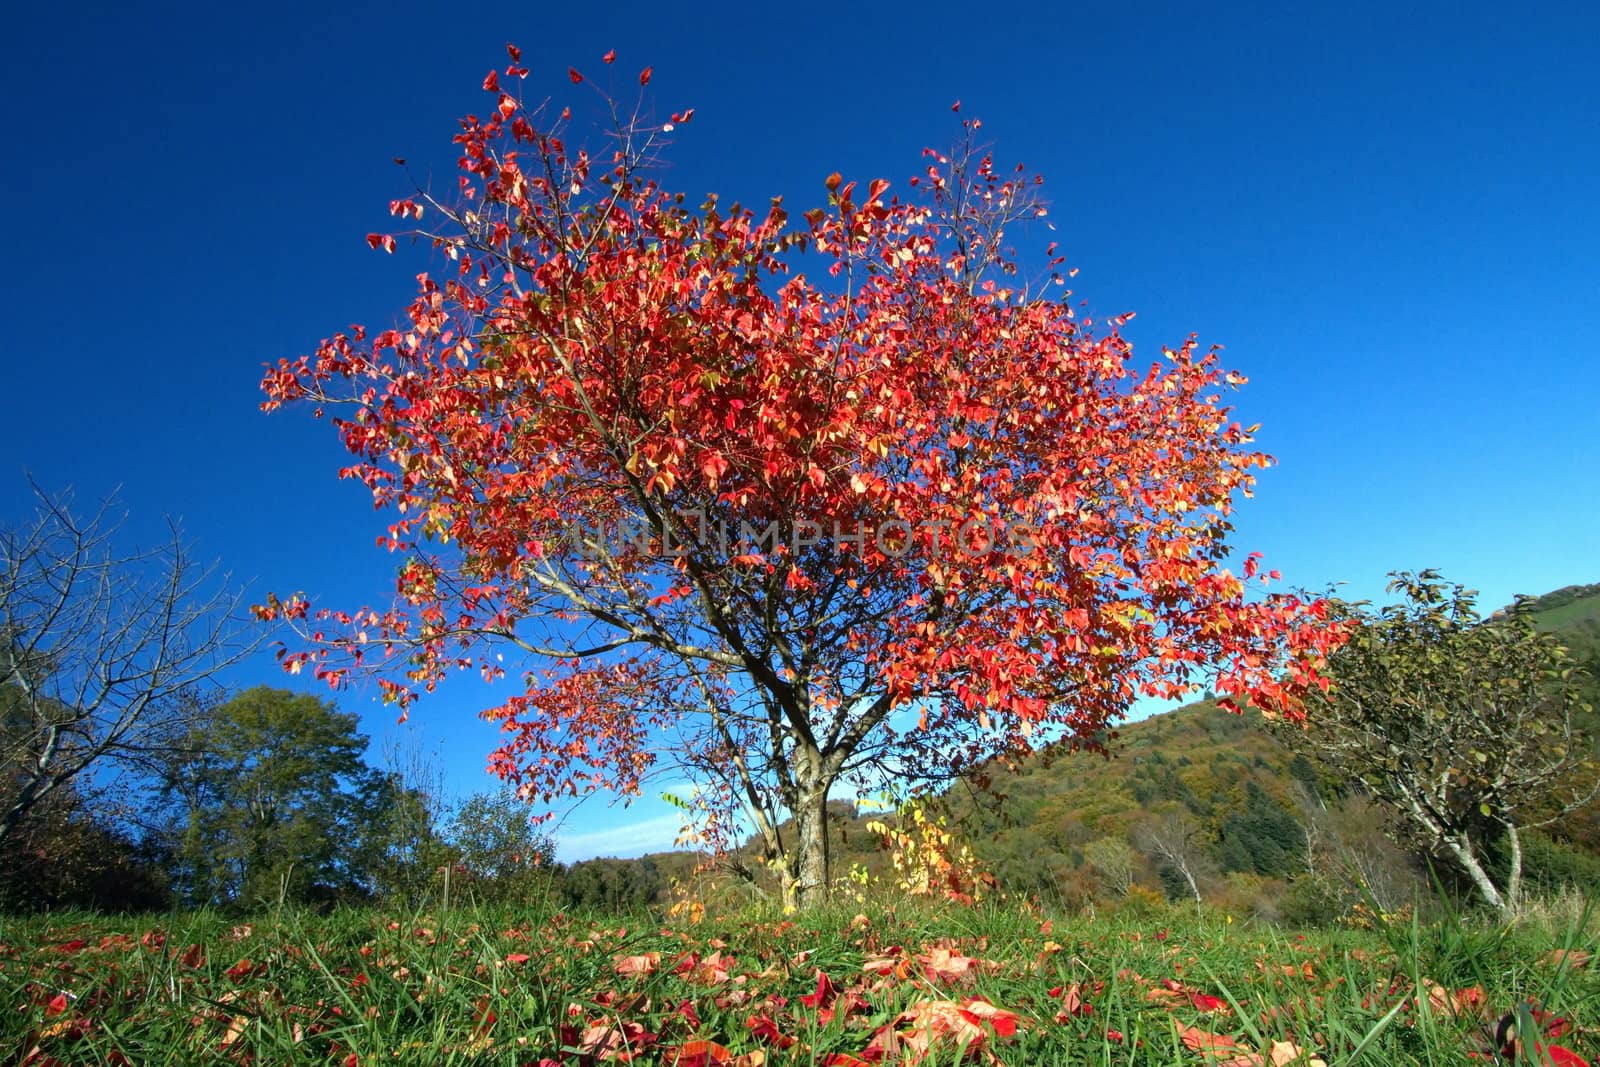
274 801
1469 730
779 504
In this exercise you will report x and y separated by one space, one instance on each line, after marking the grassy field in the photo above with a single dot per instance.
991 984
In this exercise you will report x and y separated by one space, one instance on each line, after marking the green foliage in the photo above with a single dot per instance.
505 859
1312 901
1548 866
273 802
399 851
1264 838
613 885
1465 729
61 857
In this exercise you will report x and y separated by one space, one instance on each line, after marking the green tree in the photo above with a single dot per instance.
1263 838
613 885
275 801
1467 730
401 846
504 855
404 847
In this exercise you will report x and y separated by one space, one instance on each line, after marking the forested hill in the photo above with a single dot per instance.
1574 606
1217 773
1220 775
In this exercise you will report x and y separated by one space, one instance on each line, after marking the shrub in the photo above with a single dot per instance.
1311 901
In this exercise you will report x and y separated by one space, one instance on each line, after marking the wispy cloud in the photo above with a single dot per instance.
635 839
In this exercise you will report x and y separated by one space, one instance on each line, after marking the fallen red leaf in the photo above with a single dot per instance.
700 1053
825 993
1561 1056
1207 1003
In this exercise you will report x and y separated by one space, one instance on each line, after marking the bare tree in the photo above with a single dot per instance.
1112 860
103 655
1345 841
1175 842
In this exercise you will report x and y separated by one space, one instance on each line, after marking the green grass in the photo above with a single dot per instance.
518 988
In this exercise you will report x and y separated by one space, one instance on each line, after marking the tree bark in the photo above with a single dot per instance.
806 883
1514 878
1462 851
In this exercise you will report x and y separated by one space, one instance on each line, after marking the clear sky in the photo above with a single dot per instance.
1390 218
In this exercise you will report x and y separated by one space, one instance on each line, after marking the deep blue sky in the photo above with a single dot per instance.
1390 219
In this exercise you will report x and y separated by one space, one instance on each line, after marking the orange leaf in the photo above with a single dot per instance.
700 1053
637 965
1205 1041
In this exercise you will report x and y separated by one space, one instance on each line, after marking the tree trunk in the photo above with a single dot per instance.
1188 876
1514 878
1462 851
1460 848
806 883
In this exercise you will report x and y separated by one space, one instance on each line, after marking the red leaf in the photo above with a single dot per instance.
824 995
700 1053
644 76
763 1028
1206 1003
491 83
572 73
57 1005
610 57
637 965
241 970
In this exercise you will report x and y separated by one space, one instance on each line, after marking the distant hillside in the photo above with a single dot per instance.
1220 772
1572 607
1573 615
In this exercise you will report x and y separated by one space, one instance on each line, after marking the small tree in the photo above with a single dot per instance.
103 654
1179 849
1113 860
506 856
782 506
1466 729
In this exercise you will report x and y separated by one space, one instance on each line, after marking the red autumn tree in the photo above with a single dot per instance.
780 531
